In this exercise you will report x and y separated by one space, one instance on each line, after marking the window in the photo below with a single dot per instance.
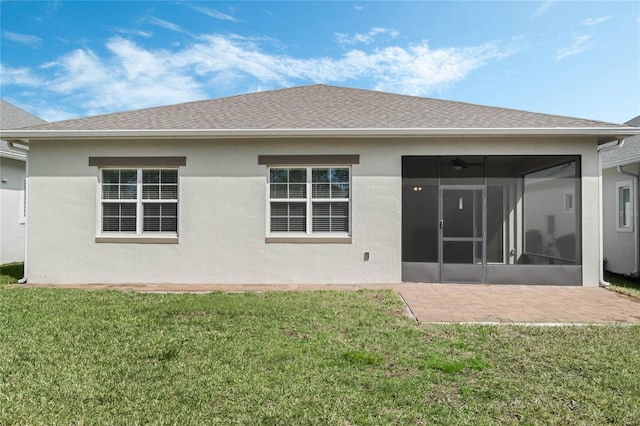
309 200
568 201
625 207
550 219
139 201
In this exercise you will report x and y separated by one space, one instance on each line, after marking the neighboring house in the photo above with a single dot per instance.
316 184
12 185
620 205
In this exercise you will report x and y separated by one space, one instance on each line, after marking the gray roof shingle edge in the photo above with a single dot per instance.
321 107
628 153
12 117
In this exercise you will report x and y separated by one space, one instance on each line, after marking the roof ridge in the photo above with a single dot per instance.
322 106
635 122
175 105
448 101
12 114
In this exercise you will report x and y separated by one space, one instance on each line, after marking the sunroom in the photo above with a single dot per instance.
491 219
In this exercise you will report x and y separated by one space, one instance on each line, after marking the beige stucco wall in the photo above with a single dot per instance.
223 205
11 208
619 246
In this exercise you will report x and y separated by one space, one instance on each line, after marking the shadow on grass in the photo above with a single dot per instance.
11 273
623 284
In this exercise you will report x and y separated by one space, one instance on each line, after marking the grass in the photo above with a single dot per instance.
334 358
11 273
623 284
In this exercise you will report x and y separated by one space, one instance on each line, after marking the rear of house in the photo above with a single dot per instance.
316 184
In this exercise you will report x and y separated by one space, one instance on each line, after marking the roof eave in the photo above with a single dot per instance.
13 155
621 162
604 134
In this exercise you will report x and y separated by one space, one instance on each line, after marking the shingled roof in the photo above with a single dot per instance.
628 153
319 111
12 117
321 107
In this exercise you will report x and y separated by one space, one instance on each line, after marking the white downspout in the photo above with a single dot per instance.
602 148
24 149
636 242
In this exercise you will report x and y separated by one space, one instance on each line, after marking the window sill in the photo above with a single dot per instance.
624 229
307 240
137 239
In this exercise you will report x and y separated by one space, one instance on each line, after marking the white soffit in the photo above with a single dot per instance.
612 133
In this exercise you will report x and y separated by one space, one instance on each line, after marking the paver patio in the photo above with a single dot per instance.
518 304
477 303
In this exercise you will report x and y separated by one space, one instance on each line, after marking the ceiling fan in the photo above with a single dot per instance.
459 164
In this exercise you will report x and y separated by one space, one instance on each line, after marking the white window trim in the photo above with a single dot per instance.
309 235
139 236
627 184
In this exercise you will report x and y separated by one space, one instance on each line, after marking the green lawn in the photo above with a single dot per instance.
336 358
623 284
11 273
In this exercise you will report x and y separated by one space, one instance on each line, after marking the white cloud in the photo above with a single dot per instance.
145 34
18 77
85 68
595 21
50 9
358 8
419 69
214 13
52 114
132 76
542 8
367 38
29 40
579 45
217 54
165 24
416 69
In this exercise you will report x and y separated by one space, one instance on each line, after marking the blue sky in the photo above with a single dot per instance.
66 59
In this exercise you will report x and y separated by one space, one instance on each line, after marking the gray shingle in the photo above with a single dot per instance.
12 117
321 107
629 152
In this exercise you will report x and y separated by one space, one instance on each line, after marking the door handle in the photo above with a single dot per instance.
441 223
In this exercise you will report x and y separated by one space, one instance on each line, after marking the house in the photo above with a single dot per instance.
620 207
12 185
316 184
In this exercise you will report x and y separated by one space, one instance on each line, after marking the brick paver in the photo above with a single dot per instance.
456 302
518 303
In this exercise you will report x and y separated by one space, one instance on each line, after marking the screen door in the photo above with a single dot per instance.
462 246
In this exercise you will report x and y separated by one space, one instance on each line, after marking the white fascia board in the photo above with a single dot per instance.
13 156
25 135
622 162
